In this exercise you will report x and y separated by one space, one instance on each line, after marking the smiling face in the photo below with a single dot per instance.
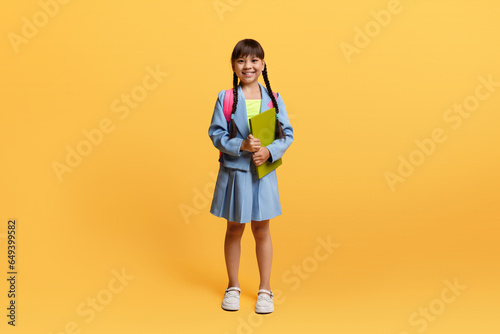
248 69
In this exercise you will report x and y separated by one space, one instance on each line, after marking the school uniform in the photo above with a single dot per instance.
239 195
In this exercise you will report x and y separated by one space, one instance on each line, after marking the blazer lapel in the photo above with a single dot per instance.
240 116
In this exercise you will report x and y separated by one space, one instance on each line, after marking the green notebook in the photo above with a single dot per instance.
262 126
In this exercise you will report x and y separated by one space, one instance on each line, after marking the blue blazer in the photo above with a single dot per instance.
218 131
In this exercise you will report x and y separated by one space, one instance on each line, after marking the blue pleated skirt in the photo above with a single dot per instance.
240 196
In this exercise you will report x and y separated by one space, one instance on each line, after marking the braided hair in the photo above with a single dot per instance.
279 133
248 47
232 124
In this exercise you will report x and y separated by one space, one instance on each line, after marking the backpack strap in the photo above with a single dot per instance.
270 104
227 108
228 104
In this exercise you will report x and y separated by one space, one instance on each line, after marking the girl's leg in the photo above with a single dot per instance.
264 250
232 250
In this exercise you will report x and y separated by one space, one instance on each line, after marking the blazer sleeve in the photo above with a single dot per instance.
278 147
218 130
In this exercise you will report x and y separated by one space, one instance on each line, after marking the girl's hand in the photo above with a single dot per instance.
261 156
250 144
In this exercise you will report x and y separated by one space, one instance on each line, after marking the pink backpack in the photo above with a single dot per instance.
228 105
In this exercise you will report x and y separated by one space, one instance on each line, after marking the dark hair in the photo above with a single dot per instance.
250 47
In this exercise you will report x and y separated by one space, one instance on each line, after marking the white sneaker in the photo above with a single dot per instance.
231 301
264 302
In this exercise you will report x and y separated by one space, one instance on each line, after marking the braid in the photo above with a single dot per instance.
280 134
232 131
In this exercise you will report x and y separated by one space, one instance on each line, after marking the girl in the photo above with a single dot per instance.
240 196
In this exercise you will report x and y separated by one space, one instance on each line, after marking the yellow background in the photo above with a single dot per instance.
121 207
